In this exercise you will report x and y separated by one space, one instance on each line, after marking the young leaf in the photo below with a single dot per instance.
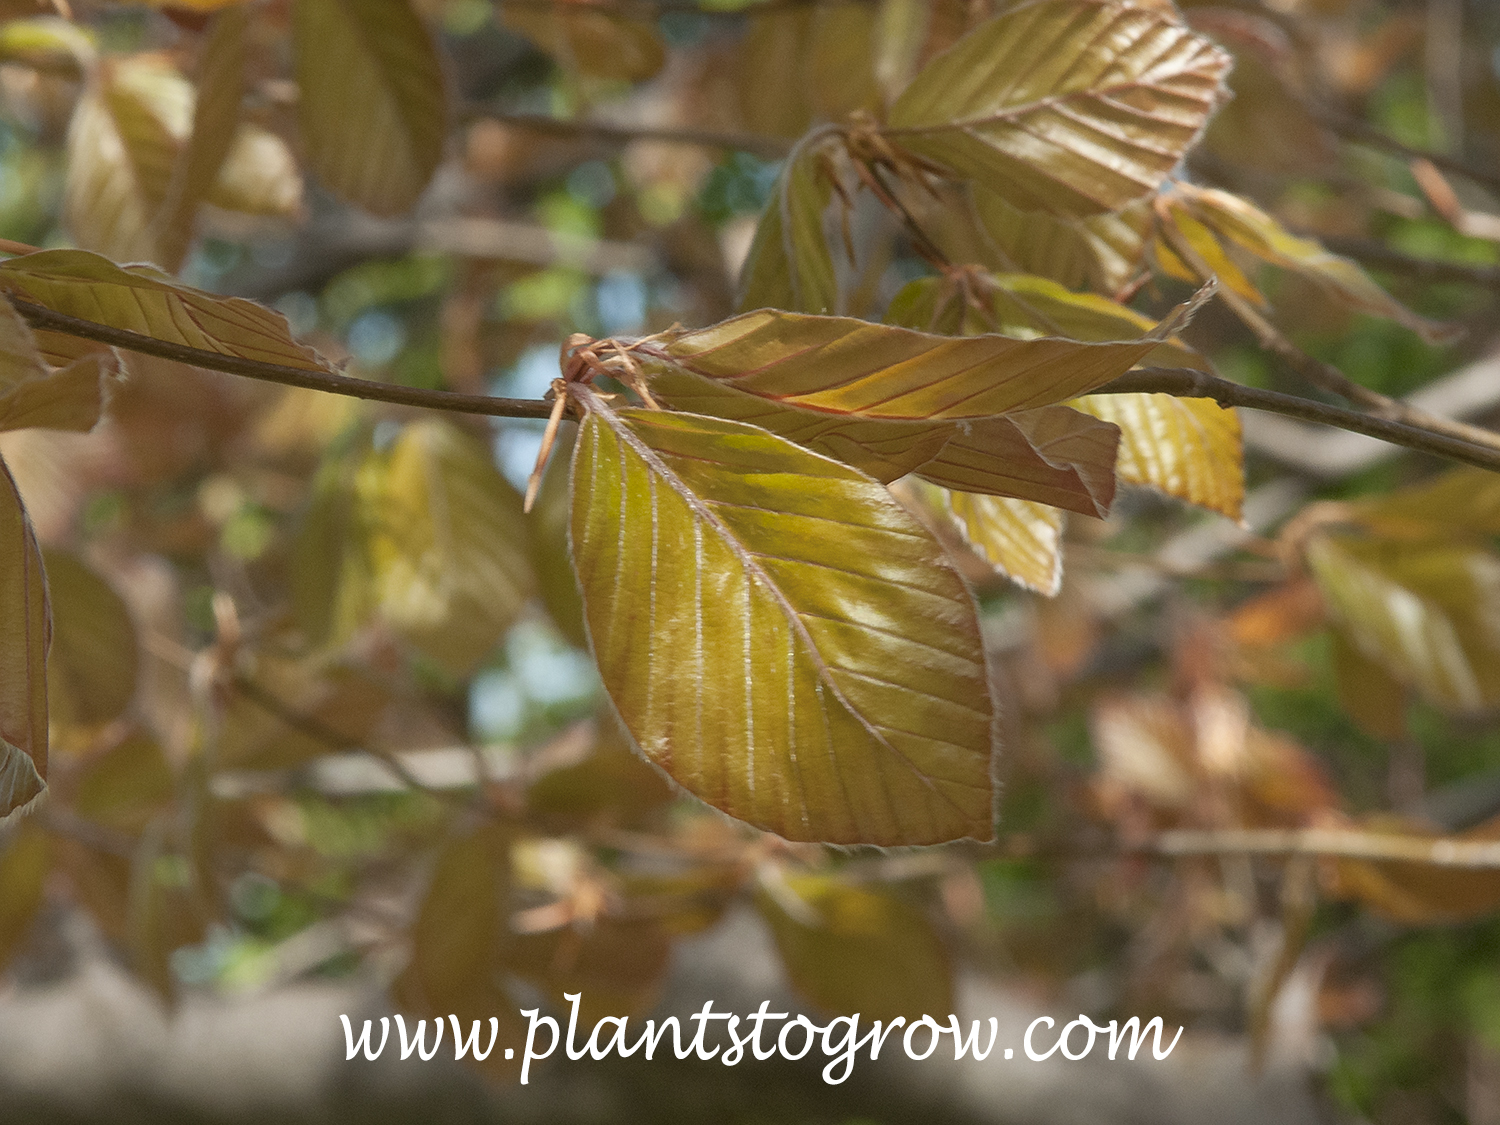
1098 252
31 395
1067 106
372 112
1424 613
851 949
141 299
887 450
1021 539
1053 455
1241 223
777 633
843 366
789 265
1189 448
25 633
447 544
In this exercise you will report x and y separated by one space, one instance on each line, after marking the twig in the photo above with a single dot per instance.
770 147
1339 843
1187 383
39 317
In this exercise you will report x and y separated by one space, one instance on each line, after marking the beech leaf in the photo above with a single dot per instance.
1189 448
1021 539
1067 106
789 265
839 365
141 299
777 633
372 112
25 633
91 670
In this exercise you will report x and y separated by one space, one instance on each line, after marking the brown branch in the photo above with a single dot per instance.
1188 383
39 317
770 147
1341 843
1358 132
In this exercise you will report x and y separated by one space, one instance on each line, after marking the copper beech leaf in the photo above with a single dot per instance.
839 365
143 300
789 265
777 633
1021 539
91 670
373 110
25 633
587 40
1098 252
885 449
1413 892
1067 106
1236 222
1189 448
853 949
32 395
1426 613
25 856
1053 455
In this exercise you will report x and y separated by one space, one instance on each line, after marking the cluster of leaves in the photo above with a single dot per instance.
801 545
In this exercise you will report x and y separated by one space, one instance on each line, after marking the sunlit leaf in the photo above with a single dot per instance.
372 110
789 265
1426 613
856 710
550 561
91 670
886 449
1189 448
24 859
1244 225
1098 252
844 366
1053 455
854 949
1068 106
1019 538
25 632
447 544
48 43
31 395
140 299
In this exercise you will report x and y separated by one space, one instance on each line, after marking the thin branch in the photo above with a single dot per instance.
1187 383
39 317
773 148
1342 843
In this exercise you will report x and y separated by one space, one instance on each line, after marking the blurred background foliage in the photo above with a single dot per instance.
275 758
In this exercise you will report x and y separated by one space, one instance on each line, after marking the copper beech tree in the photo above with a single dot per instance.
809 528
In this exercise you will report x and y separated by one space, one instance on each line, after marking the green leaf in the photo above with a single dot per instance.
1054 455
853 949
1021 539
778 634
141 299
839 365
373 111
25 633
1460 503
789 265
1189 448
887 450
91 670
1424 613
447 544
1067 106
